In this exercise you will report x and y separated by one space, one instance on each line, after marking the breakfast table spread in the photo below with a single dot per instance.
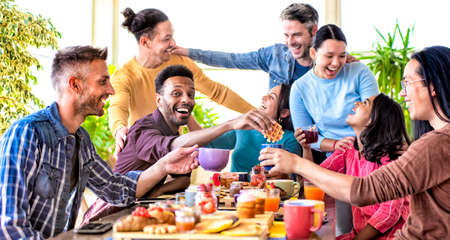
270 227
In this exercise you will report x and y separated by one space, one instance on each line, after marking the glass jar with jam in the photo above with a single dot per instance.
205 199
235 188
184 219
258 178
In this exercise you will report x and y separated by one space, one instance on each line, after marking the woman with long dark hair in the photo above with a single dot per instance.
421 172
247 143
381 135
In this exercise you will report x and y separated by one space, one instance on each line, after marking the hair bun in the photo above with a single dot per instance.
129 15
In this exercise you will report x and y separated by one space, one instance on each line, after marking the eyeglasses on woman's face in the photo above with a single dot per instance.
406 82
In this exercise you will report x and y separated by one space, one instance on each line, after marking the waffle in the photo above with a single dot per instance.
275 134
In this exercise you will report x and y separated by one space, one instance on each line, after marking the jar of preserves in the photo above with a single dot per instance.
184 219
235 188
258 178
205 199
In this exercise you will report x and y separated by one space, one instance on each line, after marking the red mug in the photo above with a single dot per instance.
299 218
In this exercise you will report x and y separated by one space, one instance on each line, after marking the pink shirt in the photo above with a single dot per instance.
386 217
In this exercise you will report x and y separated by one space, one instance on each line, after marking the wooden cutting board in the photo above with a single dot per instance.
217 236
265 220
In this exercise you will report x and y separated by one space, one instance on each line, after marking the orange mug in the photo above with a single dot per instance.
299 218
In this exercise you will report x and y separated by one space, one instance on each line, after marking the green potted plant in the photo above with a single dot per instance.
18 31
387 61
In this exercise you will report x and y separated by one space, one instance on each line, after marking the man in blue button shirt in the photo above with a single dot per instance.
47 159
284 63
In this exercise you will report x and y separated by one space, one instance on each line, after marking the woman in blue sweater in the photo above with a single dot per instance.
324 96
247 143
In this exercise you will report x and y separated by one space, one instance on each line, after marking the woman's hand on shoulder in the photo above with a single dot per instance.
344 144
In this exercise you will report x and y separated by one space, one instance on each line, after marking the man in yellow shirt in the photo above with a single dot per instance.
134 82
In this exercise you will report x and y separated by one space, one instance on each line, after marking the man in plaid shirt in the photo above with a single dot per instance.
47 159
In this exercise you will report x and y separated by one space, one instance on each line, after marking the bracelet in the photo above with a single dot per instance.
334 144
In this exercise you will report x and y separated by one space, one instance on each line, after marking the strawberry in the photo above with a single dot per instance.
209 207
216 179
141 212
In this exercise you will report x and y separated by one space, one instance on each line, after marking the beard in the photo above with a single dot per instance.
89 105
170 114
305 53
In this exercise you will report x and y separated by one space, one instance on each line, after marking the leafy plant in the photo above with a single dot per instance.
19 31
203 115
387 62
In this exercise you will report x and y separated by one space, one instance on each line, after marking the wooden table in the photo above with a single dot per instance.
326 232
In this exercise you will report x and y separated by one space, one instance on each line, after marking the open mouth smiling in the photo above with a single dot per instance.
182 110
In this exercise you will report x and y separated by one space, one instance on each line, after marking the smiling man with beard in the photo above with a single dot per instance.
156 134
47 160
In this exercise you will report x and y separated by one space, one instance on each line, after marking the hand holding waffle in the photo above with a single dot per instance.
275 134
253 119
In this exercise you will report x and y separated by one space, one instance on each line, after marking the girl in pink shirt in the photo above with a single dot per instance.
381 134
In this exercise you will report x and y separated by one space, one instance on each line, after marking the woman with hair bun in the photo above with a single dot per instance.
134 81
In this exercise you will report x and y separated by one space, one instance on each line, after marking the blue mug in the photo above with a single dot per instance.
271 145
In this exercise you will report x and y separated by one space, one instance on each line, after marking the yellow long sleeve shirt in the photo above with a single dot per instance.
135 91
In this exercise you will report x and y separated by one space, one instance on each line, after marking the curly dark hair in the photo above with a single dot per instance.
171 71
386 133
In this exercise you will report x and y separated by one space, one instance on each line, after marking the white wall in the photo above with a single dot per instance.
73 20
431 19
231 25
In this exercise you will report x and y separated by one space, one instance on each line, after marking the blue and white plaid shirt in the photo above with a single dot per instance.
35 177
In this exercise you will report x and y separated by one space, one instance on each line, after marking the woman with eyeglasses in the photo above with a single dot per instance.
422 172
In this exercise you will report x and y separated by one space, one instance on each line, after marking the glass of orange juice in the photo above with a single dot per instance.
272 200
312 191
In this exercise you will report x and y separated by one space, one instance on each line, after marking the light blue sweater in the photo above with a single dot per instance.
327 102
